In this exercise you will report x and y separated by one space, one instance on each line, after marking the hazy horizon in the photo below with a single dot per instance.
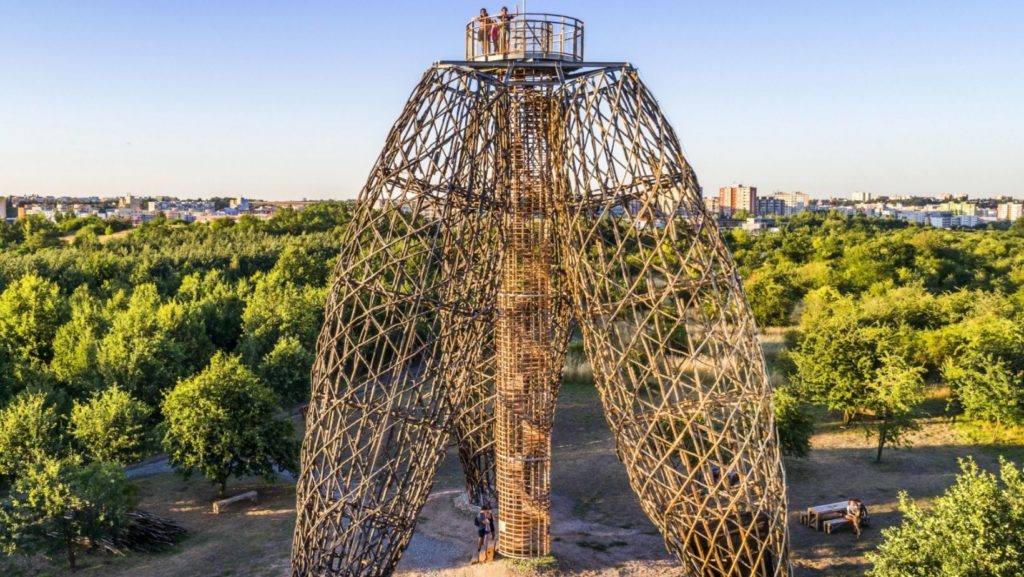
284 102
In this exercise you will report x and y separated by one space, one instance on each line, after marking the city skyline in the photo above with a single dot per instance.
266 101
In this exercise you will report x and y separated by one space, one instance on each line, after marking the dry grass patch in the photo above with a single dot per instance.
244 540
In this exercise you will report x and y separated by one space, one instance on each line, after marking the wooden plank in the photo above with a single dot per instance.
833 524
247 496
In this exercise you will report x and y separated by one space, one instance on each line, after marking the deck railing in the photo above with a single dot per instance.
522 36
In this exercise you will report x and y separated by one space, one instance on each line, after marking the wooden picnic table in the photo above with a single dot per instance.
819 513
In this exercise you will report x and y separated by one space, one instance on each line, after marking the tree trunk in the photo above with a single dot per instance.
882 432
223 487
847 417
71 554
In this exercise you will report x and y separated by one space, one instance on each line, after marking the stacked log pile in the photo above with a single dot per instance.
144 532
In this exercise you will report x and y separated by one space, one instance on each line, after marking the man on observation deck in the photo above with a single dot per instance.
504 29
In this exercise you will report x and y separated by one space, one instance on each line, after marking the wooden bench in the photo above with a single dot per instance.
833 524
247 496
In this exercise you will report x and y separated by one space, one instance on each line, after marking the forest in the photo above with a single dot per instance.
196 340
878 311
186 339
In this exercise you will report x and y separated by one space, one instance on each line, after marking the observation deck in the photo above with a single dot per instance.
524 36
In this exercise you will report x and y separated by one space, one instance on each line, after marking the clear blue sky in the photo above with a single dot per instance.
294 99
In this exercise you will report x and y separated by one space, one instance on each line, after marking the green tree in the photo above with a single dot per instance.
111 426
30 428
986 387
135 353
279 309
841 349
221 423
893 396
59 505
286 369
220 305
299 266
38 233
835 360
772 296
793 422
76 345
31 309
87 238
976 528
189 347
152 344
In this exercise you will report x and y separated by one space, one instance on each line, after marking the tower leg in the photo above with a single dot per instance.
474 424
474 430
409 305
669 334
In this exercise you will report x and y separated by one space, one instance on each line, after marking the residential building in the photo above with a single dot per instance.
1010 211
130 202
712 205
966 220
795 201
959 207
861 197
733 199
940 219
770 205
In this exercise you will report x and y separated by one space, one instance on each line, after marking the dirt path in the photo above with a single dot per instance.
159 465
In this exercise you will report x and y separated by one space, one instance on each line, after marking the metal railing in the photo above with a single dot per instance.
522 36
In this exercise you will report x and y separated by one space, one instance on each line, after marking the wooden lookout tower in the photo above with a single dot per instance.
522 192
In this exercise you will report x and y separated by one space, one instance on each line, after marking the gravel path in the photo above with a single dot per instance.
154 466
159 465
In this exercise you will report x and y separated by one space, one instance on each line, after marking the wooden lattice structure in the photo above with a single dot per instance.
513 197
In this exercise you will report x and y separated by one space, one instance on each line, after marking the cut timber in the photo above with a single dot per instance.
246 496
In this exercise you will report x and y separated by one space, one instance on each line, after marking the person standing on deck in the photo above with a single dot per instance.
504 29
483 32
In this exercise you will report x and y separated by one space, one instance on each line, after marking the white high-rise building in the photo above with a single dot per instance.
1010 211
794 201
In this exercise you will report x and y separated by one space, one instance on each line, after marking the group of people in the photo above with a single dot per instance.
493 32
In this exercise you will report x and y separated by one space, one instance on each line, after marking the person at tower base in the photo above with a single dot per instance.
484 522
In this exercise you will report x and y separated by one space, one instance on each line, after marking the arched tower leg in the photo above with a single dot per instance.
412 297
669 334
474 429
